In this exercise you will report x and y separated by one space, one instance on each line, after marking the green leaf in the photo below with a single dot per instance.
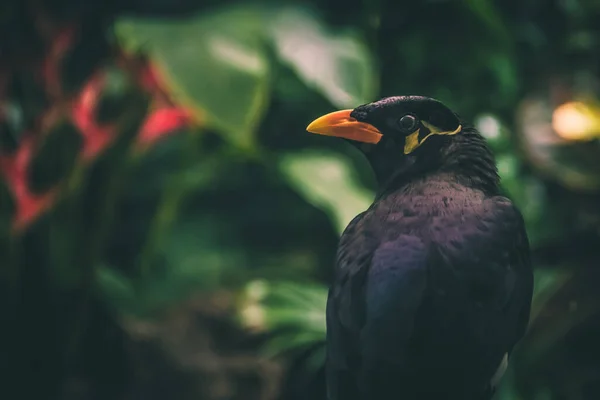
504 70
294 341
214 63
197 255
544 219
300 307
488 14
116 288
508 389
339 66
293 312
547 283
189 260
326 180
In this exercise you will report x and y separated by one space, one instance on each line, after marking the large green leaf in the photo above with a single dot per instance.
215 63
339 66
327 181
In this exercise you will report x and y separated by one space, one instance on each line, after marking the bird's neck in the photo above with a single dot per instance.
466 158
469 158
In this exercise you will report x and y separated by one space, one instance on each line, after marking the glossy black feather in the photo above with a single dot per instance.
436 293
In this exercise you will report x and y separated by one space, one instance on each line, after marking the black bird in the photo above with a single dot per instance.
433 283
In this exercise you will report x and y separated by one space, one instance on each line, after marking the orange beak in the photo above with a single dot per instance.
341 124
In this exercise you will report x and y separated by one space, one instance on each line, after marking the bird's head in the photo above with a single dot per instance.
406 121
394 131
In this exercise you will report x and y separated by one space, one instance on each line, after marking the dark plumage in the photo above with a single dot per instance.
433 282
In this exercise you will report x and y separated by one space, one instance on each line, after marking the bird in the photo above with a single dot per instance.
432 283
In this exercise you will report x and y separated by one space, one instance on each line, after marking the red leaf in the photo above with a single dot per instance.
14 168
30 206
96 138
59 46
162 122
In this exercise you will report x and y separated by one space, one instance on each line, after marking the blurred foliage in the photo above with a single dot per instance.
155 150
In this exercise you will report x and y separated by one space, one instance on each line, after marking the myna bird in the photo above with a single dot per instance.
433 282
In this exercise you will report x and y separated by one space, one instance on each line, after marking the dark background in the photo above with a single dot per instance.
168 228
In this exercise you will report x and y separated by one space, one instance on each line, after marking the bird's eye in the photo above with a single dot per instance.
408 123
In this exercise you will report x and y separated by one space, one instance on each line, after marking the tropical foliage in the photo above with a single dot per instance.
167 227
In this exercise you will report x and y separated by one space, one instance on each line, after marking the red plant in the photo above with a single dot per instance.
80 108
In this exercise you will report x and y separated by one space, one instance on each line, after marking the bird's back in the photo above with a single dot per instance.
430 293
